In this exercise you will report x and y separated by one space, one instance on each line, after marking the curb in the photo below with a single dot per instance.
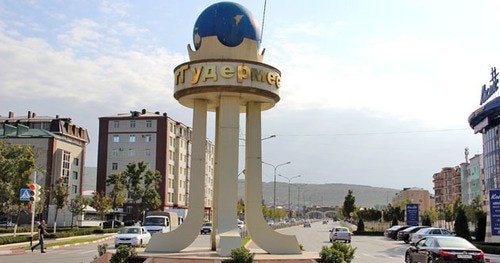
20 251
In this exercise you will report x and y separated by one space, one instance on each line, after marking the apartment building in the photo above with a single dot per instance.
471 179
447 187
160 141
59 147
415 196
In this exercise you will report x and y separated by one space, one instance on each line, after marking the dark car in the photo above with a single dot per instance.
108 224
405 234
206 228
393 231
441 249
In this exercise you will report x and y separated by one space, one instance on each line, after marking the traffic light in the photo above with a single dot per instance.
35 192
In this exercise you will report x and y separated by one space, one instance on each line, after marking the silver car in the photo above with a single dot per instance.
430 231
340 233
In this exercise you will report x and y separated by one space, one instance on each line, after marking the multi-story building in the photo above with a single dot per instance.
471 179
161 142
415 196
59 147
447 187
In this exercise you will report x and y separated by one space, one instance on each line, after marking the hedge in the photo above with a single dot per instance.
490 248
368 233
81 232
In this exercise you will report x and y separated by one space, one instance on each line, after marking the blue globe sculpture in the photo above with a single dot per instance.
230 22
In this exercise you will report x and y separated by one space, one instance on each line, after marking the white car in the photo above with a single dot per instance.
132 236
430 231
340 233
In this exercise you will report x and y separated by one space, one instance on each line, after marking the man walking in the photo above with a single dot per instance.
41 232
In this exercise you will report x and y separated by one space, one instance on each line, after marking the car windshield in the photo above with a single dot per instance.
454 243
154 221
207 224
133 230
341 229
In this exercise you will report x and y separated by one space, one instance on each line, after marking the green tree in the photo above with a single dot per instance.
151 199
102 204
60 196
117 194
349 204
134 176
77 206
426 219
461 224
17 163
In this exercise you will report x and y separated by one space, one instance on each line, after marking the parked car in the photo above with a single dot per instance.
405 234
430 231
307 223
393 232
132 236
206 228
108 224
389 230
443 249
340 233
4 222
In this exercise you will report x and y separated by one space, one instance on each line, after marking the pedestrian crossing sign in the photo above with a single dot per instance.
25 194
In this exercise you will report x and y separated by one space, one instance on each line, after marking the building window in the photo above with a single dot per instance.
147 138
114 166
75 175
129 209
76 161
74 189
132 124
114 152
116 124
132 138
116 138
131 152
148 152
171 155
149 124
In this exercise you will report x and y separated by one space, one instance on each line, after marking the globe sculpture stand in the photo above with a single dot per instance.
226 75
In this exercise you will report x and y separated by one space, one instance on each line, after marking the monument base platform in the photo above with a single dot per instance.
208 256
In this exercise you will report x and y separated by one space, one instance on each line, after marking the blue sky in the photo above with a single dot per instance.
373 92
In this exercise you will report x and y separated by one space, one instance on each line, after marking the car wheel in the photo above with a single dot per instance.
331 240
407 258
348 241
430 260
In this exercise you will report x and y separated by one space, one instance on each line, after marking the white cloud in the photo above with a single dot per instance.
114 7
83 33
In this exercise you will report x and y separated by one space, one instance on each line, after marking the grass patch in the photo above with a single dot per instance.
67 242
245 240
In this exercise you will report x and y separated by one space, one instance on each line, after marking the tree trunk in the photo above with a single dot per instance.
55 220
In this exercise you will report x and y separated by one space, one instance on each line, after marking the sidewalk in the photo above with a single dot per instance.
17 248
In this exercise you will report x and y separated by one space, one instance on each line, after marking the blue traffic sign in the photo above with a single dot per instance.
25 194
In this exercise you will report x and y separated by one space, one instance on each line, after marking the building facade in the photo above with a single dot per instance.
447 187
415 196
59 147
161 142
471 179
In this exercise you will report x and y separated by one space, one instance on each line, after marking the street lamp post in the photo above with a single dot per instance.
275 168
289 202
304 200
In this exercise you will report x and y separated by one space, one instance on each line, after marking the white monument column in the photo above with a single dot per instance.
227 178
263 235
186 233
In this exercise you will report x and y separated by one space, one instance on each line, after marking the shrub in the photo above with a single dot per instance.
331 255
481 227
361 225
461 225
337 253
240 255
123 254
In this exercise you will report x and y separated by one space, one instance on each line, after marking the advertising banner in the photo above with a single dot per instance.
412 216
495 211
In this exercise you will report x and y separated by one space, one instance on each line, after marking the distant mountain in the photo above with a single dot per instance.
323 194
